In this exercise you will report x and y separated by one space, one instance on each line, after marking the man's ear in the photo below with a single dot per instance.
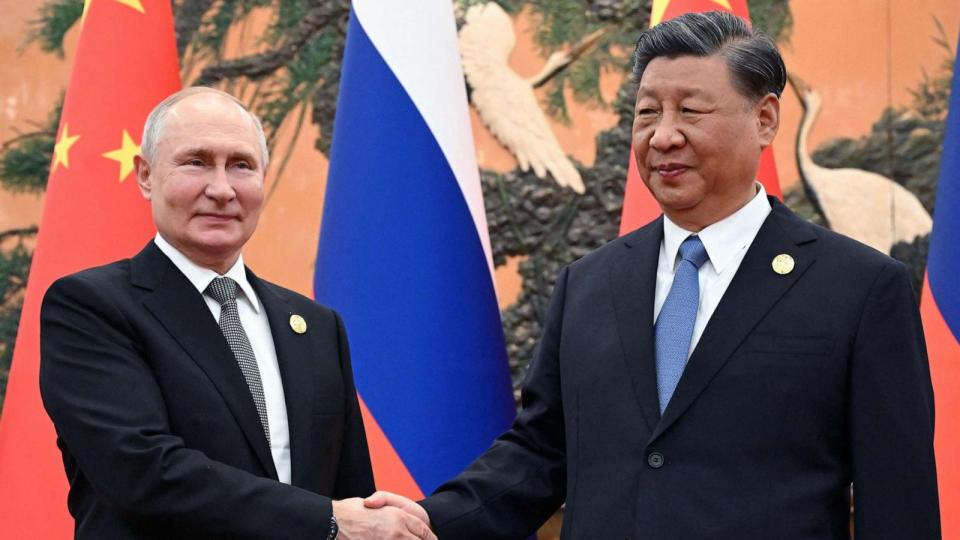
143 176
768 119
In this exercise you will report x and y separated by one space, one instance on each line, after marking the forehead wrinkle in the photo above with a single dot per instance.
210 111
192 151
683 92
209 135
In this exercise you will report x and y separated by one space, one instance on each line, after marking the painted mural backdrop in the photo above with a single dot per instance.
551 106
551 109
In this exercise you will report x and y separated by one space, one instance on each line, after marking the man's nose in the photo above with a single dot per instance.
666 134
219 186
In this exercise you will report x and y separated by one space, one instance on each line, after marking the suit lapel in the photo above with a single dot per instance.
183 313
752 293
293 355
633 280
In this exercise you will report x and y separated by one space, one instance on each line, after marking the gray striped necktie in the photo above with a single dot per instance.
224 291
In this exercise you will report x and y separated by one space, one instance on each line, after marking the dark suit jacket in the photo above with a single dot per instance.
159 433
801 384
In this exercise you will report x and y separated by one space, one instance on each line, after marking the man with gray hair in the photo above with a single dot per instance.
727 371
191 398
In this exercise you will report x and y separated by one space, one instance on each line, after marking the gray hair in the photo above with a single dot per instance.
153 127
755 64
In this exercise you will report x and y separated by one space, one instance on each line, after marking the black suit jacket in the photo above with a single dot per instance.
800 384
159 433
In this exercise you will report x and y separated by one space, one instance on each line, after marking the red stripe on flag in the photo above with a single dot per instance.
767 173
944 352
639 206
678 7
389 470
126 63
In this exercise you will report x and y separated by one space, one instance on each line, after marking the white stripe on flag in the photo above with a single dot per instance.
418 40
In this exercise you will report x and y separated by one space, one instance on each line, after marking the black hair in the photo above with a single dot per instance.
755 64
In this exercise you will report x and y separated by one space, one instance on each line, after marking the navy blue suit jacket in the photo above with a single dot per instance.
159 432
801 384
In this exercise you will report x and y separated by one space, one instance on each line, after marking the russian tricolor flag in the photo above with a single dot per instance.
940 309
404 254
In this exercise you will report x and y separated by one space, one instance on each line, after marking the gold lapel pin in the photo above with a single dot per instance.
783 264
298 324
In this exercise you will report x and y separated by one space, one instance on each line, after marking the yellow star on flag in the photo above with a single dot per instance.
61 150
660 7
135 4
124 155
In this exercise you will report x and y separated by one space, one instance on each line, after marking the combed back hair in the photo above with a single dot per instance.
755 64
153 128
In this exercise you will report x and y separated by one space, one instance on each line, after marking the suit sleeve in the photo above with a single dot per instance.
891 417
510 490
99 390
355 473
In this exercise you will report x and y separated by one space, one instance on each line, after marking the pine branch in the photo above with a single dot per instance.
559 60
772 17
25 166
56 18
189 16
25 159
320 14
14 270
24 136
21 232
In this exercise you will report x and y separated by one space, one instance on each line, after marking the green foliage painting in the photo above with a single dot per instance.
293 79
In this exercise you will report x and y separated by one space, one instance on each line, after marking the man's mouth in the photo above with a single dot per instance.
669 170
217 216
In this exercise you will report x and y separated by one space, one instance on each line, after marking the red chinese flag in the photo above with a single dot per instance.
126 63
639 206
940 309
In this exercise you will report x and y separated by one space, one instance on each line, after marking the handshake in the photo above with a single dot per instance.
382 515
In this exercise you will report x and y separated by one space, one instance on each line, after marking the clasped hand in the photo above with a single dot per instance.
382 515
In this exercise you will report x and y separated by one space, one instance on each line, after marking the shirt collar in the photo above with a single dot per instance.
201 277
723 239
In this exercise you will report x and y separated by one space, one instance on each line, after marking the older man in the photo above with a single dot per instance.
726 371
191 398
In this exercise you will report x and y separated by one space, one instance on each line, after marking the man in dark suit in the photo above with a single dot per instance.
726 371
191 398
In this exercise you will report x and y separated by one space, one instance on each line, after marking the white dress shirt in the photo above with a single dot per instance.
726 242
257 327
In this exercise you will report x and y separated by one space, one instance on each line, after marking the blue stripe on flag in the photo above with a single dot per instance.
400 259
943 263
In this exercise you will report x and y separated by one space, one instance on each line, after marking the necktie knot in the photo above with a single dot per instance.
222 289
692 251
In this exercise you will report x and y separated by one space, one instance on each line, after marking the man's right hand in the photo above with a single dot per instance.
358 522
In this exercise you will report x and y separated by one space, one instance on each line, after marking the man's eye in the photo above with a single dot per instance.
242 165
688 110
647 112
194 162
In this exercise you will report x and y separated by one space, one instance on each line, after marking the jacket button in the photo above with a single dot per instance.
655 460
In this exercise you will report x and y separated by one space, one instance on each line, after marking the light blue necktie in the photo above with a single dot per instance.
674 326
